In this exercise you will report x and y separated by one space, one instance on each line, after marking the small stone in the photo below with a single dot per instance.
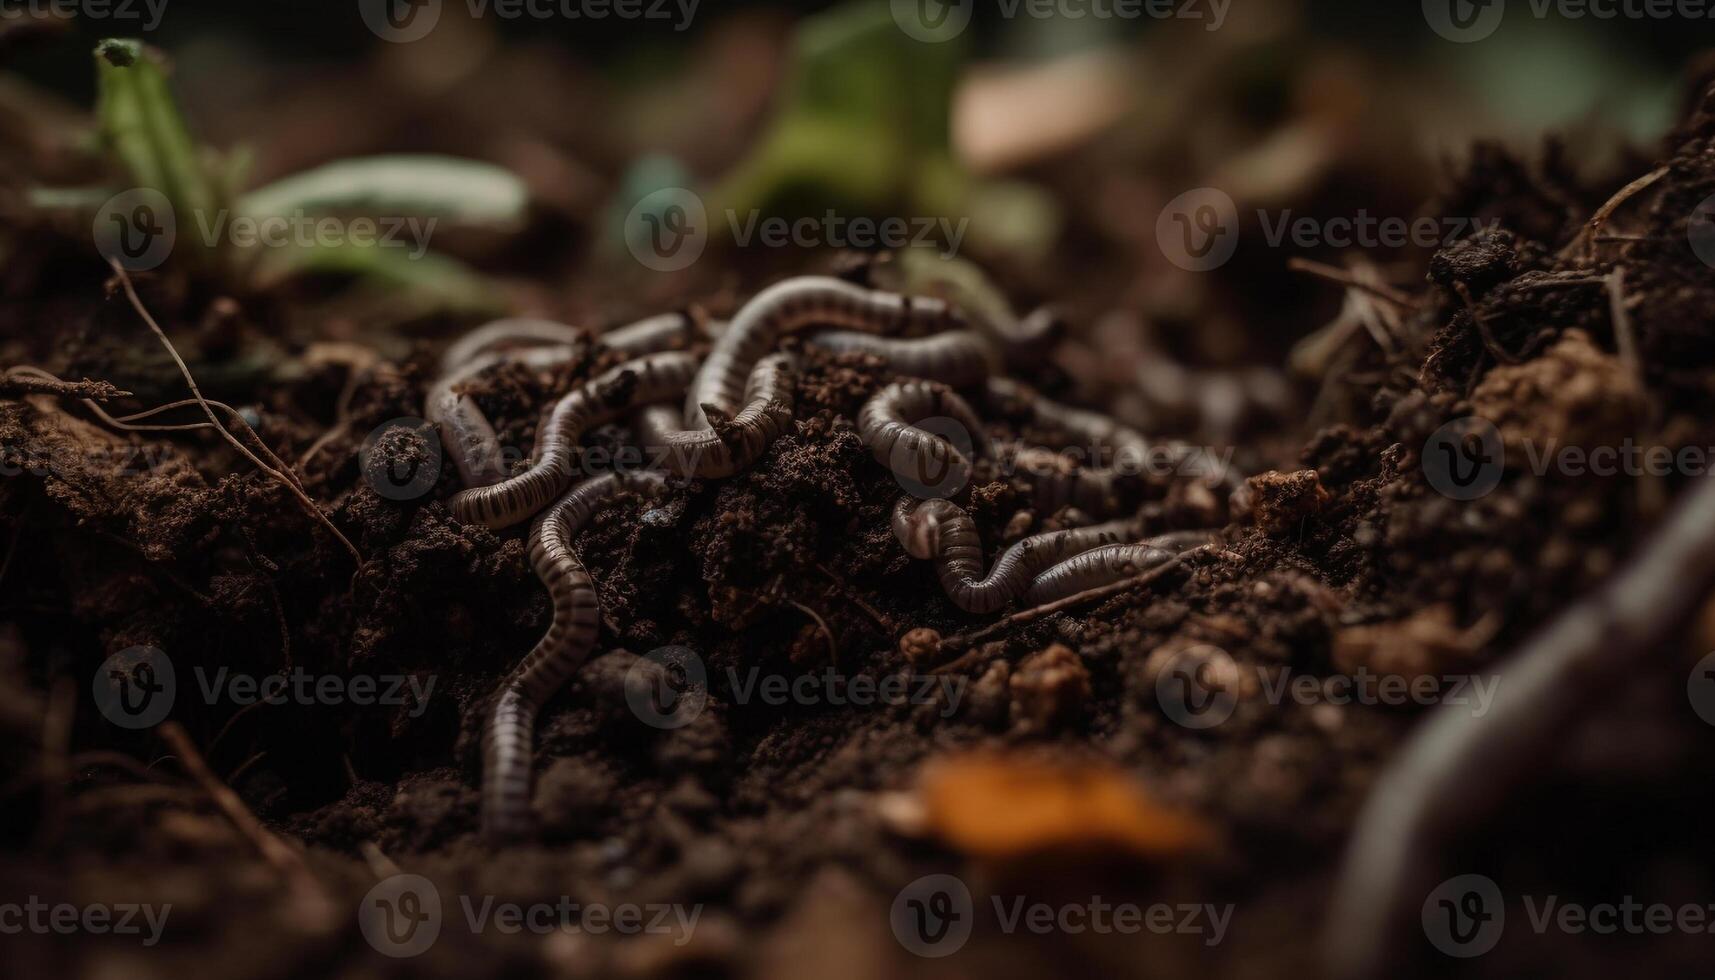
1282 501
1049 689
920 646
991 696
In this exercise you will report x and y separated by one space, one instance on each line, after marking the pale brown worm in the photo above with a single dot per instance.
792 305
465 430
509 735
657 377
954 357
940 530
511 332
731 446
1108 564
930 462
668 331
1086 484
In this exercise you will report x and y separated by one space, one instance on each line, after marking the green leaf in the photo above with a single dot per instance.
433 283
142 127
867 108
452 190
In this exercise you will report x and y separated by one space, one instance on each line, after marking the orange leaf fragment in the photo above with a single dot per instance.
996 806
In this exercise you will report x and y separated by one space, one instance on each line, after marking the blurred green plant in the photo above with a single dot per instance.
863 128
142 130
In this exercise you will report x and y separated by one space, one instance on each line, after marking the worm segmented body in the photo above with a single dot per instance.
510 733
1106 565
792 305
955 357
514 332
1080 481
929 459
654 378
940 530
464 427
668 331
707 453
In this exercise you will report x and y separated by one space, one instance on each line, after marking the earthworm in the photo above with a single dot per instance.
941 530
790 305
510 733
1460 764
954 357
667 331
1093 487
708 453
512 332
1107 564
464 427
889 425
654 378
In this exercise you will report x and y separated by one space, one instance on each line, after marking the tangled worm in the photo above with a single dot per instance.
510 733
923 460
654 378
668 331
511 332
940 530
954 357
464 428
712 453
788 306
1108 564
1094 488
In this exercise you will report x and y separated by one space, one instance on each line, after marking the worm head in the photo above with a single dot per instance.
917 527
925 538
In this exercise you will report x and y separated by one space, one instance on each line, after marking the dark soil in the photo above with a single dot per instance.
1338 557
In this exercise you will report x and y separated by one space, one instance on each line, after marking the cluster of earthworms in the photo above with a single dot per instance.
736 402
